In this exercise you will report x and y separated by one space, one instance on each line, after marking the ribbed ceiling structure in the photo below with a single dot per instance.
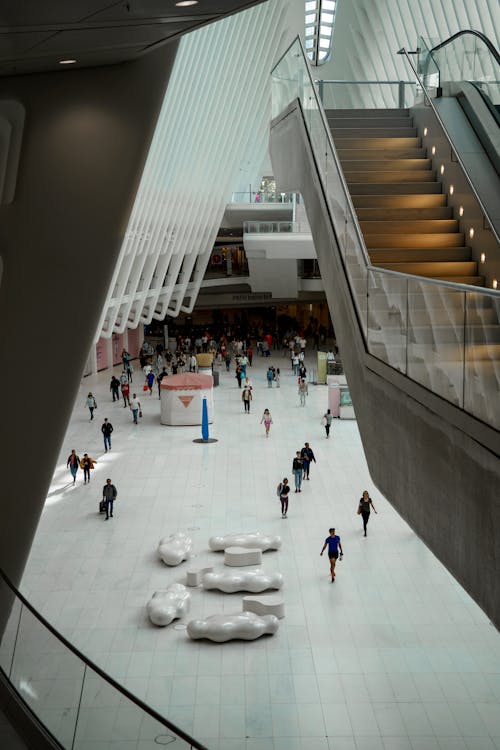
210 140
368 33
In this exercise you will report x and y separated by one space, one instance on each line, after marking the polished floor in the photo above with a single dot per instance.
393 656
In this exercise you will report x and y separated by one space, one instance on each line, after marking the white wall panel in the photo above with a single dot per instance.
210 140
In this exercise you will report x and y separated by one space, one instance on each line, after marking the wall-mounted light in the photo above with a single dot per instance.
451 190
185 3
441 168
433 150
425 131
471 232
461 211
495 284
483 257
67 62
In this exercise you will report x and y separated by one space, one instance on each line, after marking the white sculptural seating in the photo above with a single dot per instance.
241 556
271 604
220 628
253 540
169 605
175 548
254 581
194 575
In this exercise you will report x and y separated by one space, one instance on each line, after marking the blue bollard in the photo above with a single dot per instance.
204 419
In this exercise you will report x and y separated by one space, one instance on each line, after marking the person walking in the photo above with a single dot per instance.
270 376
277 377
334 545
282 491
238 375
109 495
297 468
73 463
246 397
364 507
107 429
227 360
307 456
303 391
91 403
126 394
250 355
87 463
326 421
150 379
159 379
267 419
114 388
135 406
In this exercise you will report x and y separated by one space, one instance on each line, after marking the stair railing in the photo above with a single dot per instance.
455 150
67 694
435 332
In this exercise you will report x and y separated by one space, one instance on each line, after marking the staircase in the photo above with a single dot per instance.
404 217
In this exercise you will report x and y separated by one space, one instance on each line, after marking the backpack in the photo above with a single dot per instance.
278 489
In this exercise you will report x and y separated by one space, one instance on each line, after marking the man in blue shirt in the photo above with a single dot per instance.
334 545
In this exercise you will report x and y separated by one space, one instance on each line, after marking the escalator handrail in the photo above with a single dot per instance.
428 97
106 677
473 32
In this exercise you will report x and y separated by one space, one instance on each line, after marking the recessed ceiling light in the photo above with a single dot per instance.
185 3
67 62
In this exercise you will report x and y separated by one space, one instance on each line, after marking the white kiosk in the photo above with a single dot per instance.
181 398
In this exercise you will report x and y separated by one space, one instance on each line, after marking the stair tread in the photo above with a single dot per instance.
396 188
396 176
436 213
389 200
411 226
386 165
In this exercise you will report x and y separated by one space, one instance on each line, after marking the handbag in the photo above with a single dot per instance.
145 387
140 412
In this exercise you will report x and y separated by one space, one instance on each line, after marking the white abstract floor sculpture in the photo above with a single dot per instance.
245 625
175 548
241 556
194 575
254 581
272 604
165 606
254 540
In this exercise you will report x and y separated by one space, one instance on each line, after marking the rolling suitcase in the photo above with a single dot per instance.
102 506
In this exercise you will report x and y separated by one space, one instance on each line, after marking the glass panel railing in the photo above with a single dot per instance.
436 317
387 318
75 701
342 94
468 56
482 365
444 336
260 196
271 227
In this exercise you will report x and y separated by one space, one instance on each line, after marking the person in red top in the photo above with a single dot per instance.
249 355
126 394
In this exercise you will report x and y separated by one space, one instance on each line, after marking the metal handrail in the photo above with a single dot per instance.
333 80
405 52
106 677
473 32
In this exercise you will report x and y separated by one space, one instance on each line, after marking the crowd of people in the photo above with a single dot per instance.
158 363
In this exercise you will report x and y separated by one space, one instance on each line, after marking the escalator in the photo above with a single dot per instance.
418 328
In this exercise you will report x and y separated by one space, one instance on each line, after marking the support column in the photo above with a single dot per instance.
86 137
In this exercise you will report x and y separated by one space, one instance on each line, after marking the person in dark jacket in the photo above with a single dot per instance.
364 507
114 388
73 463
109 495
107 429
307 456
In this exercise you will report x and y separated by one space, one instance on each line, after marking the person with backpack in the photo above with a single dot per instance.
307 456
282 491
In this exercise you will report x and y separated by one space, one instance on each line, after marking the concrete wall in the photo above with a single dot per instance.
85 140
438 466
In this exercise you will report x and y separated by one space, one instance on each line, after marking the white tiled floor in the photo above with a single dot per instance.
393 656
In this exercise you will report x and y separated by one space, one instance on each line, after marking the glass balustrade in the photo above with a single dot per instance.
261 196
343 94
75 701
444 336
